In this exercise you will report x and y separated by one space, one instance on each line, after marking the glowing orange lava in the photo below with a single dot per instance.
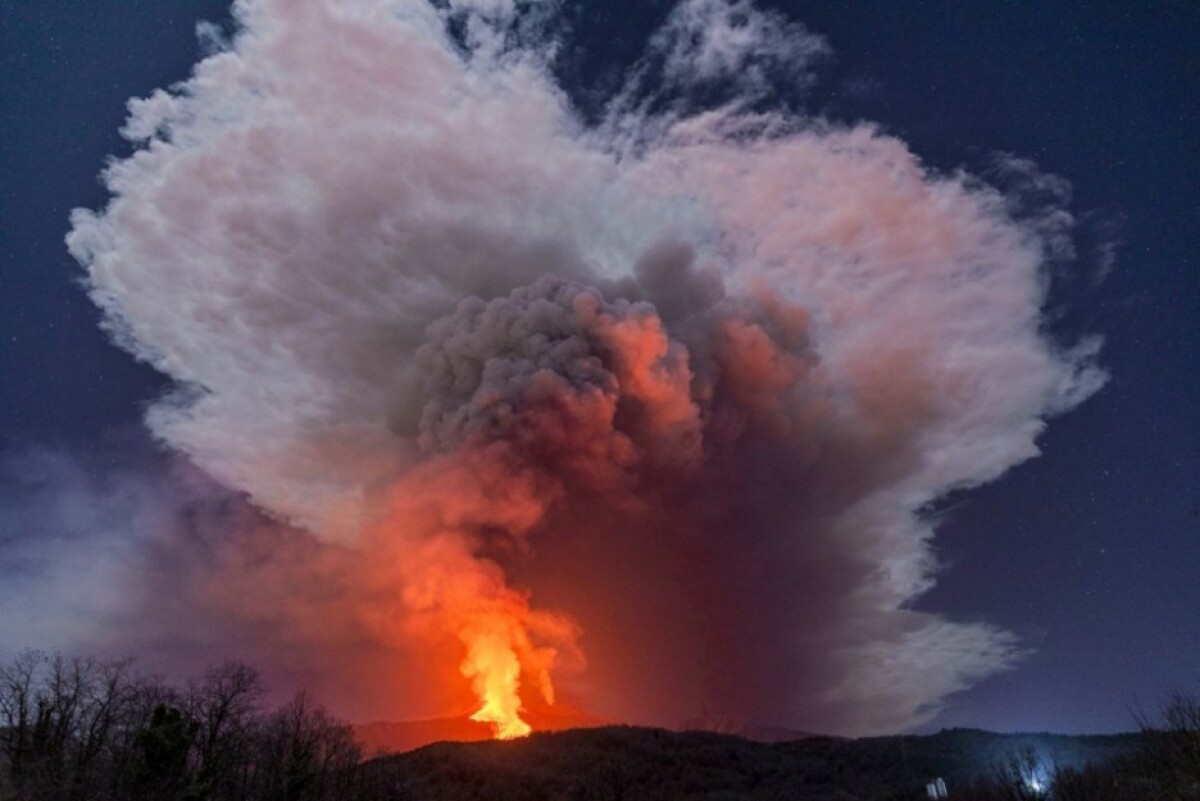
429 544
502 649
495 673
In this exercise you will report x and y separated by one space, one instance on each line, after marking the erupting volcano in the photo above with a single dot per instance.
643 410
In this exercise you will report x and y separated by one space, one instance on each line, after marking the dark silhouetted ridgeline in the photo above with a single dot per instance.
638 764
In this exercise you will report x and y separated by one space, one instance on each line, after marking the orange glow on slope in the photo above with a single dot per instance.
394 737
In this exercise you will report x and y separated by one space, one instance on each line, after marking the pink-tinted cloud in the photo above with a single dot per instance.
665 397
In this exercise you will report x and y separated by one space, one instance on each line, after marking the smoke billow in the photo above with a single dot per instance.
646 410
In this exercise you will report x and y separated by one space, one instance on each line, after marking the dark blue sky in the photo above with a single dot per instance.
1090 553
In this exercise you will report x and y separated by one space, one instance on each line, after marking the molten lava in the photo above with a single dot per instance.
494 669
501 650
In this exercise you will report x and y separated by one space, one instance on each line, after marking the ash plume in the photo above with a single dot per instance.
645 412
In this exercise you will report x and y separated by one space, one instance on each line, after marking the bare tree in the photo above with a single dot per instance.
1171 748
17 711
58 716
305 755
76 729
225 705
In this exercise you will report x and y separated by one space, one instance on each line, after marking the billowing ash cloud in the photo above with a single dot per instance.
645 411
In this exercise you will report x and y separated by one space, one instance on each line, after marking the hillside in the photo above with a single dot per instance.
387 737
637 764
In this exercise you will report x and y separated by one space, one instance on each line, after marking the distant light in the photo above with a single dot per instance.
1038 780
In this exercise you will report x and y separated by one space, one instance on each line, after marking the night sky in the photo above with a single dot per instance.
1089 553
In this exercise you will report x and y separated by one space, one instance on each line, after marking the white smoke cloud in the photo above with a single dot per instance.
334 238
705 41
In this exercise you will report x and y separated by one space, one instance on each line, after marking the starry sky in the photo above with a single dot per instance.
1089 553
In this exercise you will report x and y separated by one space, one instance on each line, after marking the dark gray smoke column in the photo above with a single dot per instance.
689 377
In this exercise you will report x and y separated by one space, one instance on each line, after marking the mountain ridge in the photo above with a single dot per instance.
645 764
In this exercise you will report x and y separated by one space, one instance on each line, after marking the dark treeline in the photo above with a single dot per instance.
79 728
88 730
1164 765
